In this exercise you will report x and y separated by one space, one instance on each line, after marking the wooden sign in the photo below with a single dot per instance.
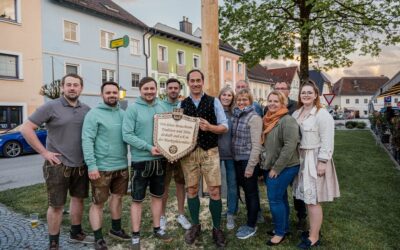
175 134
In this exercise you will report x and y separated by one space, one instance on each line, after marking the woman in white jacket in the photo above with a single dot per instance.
317 181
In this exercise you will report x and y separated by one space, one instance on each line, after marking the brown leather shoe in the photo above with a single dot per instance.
192 234
219 238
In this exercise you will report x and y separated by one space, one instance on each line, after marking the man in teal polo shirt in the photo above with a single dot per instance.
106 157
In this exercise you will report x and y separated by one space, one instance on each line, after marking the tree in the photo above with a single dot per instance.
316 29
51 90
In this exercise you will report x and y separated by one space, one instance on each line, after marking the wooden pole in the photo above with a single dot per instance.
210 46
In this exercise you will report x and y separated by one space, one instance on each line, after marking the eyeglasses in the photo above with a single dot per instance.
281 89
307 93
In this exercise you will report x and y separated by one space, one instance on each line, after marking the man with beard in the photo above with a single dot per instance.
148 165
64 169
106 157
174 169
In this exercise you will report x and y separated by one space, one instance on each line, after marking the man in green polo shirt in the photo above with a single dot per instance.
106 157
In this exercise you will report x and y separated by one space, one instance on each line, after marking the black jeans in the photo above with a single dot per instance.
250 187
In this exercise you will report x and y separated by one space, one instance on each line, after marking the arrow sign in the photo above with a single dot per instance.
329 98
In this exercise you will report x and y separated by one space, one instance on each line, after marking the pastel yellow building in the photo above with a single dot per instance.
20 60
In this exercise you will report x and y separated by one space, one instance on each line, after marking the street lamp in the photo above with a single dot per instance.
122 93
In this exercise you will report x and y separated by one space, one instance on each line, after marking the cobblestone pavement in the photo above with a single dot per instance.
16 233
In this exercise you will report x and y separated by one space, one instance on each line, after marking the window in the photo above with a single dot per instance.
254 93
162 54
105 38
396 100
356 101
365 100
365 112
181 58
163 84
347 101
70 31
71 68
259 93
196 61
228 65
375 101
9 66
8 10
135 80
107 75
135 47
239 68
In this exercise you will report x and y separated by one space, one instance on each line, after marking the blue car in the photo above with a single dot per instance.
13 144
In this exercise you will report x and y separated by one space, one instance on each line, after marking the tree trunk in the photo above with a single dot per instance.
304 61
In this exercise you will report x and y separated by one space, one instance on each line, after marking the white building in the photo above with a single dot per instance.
355 93
289 75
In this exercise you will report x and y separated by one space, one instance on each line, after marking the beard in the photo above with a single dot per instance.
70 97
111 102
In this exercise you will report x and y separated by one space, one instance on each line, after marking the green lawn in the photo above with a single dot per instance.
367 216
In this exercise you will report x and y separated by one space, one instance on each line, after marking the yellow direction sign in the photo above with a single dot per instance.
120 42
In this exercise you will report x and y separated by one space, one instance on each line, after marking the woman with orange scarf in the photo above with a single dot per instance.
280 161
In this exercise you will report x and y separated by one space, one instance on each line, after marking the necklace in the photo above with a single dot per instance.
304 113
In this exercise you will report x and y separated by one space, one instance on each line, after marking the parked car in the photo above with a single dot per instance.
13 144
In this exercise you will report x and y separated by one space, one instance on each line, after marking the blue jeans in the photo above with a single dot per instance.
231 186
278 198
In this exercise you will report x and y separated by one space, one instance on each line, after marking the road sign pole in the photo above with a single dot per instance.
118 67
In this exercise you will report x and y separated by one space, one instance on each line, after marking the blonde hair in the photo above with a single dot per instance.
245 92
281 97
227 89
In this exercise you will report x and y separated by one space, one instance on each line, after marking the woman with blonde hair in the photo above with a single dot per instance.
227 96
317 181
280 161
246 149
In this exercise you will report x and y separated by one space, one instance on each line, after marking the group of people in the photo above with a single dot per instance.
89 147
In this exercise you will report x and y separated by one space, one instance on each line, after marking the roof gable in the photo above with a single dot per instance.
319 78
259 73
283 74
104 8
359 85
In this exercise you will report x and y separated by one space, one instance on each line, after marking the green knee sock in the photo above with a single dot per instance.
98 234
194 208
216 210
55 238
116 225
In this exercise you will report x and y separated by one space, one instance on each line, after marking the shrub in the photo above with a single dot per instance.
361 125
353 124
349 125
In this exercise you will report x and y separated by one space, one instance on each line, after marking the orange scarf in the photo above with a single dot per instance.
270 120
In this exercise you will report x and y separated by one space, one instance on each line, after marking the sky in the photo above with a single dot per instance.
171 12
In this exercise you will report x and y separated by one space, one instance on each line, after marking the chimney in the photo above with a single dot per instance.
185 25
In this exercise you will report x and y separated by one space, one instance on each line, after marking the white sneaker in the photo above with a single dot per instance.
181 219
230 222
163 222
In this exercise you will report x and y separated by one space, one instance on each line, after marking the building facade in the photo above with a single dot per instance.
173 53
289 75
259 82
353 94
231 70
77 40
20 61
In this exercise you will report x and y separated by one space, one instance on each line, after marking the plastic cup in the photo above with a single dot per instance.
34 220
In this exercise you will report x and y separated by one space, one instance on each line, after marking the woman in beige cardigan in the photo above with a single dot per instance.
317 181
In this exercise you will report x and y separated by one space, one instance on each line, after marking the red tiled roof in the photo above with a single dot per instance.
259 73
105 8
283 74
359 85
